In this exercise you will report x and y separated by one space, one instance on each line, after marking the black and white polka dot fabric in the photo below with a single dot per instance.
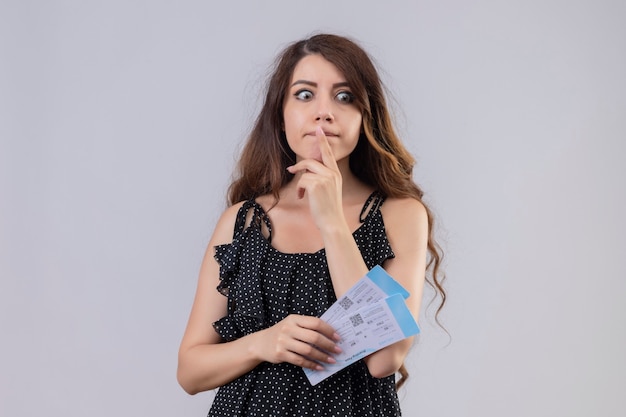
263 286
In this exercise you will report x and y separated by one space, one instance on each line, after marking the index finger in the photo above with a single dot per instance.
328 158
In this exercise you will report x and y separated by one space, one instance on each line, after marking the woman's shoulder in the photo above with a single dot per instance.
399 205
403 212
224 229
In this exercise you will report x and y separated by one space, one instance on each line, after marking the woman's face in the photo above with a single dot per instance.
318 95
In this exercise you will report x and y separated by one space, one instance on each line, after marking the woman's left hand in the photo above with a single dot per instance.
322 184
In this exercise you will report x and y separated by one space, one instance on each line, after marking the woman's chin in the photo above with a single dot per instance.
315 155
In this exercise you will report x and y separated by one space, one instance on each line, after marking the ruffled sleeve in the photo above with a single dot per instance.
227 256
239 263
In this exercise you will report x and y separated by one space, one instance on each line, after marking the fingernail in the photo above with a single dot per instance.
319 368
331 360
336 336
338 349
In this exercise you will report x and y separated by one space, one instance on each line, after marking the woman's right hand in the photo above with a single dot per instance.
300 340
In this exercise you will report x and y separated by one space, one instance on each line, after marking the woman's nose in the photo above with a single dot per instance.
325 115
324 108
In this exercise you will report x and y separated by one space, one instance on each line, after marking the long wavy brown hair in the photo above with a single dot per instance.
379 159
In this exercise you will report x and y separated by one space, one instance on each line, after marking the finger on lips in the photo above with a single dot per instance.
325 149
326 152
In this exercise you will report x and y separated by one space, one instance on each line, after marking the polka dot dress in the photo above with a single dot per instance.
263 286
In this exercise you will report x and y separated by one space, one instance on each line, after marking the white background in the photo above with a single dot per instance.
119 125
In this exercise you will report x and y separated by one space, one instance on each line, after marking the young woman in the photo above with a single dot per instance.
324 193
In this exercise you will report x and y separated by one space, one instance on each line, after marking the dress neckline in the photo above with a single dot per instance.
373 203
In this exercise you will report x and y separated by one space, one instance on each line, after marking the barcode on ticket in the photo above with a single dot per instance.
356 320
346 303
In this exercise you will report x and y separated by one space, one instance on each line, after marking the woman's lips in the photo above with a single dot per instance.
314 133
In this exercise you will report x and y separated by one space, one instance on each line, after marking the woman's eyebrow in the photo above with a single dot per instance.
311 83
314 84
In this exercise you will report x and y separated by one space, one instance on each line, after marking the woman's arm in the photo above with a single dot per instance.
205 362
406 223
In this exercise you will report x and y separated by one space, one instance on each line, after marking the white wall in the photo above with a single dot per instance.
119 123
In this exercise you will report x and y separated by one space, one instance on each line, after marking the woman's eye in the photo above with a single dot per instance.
304 95
345 97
